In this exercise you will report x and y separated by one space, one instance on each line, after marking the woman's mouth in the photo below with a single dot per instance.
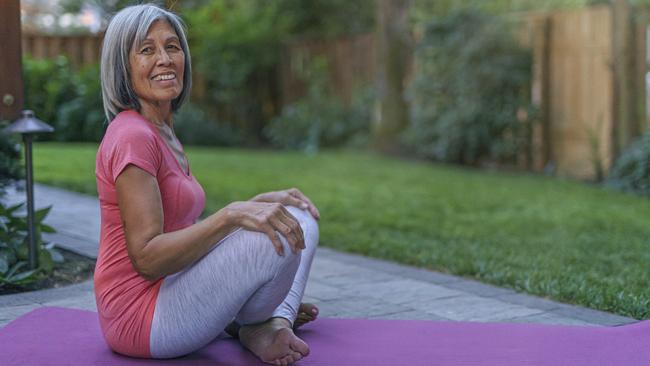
161 77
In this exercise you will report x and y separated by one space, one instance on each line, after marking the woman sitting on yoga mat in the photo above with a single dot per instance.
167 284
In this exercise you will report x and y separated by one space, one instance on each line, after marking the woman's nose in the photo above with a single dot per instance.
164 58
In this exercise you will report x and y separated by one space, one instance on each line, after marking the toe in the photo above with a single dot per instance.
300 346
308 308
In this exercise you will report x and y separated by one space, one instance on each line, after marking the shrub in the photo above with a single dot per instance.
472 79
321 119
14 273
10 167
194 127
631 171
69 100
48 85
82 118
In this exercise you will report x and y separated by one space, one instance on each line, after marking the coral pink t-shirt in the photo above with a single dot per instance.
125 300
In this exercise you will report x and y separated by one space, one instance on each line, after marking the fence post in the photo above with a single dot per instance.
624 108
11 83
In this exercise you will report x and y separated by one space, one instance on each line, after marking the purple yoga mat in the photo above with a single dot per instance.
57 336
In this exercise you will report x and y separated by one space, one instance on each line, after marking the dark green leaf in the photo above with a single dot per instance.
40 215
4 265
47 229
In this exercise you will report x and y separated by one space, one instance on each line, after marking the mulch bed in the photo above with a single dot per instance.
74 269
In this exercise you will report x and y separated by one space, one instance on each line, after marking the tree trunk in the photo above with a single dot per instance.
394 55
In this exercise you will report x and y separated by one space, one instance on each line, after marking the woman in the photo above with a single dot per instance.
165 283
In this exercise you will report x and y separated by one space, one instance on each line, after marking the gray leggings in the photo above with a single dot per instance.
242 278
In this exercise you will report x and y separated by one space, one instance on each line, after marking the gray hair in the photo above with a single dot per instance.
131 25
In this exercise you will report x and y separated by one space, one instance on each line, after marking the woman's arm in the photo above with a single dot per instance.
155 254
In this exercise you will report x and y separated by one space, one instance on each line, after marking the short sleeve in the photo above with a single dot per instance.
135 146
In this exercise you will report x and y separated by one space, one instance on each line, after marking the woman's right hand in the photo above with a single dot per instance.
267 218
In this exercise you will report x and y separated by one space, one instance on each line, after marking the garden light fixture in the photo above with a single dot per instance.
28 126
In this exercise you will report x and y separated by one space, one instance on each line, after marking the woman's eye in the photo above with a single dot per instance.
146 50
173 47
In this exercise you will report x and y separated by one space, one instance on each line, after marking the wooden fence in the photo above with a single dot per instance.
80 49
589 83
350 62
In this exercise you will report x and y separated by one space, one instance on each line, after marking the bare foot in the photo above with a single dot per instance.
273 342
306 313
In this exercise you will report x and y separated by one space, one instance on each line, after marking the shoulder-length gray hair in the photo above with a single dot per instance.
130 25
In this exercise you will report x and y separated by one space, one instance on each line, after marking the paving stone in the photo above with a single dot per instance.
405 291
324 267
410 315
356 307
481 289
529 301
592 316
85 302
387 267
15 300
359 277
74 244
54 294
12 312
322 291
551 319
475 308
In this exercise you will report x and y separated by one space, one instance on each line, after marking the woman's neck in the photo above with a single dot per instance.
157 113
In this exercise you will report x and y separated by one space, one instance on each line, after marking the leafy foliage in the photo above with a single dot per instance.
466 99
68 100
82 117
320 119
236 47
9 161
631 171
14 248
195 127
49 83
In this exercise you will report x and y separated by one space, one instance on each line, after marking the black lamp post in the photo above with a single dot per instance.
28 125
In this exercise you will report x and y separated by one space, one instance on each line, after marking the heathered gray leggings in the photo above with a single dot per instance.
241 278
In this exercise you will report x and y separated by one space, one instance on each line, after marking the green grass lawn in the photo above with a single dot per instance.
559 239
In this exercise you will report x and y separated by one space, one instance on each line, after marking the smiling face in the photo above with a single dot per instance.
157 66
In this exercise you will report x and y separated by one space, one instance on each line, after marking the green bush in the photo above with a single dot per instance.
631 171
472 81
69 100
10 167
194 127
14 274
49 84
82 117
236 47
321 119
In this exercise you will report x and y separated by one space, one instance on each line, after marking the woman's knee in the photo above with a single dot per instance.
262 250
308 224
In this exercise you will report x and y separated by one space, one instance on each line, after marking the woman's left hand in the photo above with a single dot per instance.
289 197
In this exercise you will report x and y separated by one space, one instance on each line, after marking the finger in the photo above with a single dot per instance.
285 230
275 240
296 202
310 205
294 224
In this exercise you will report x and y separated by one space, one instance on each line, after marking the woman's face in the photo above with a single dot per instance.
157 65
